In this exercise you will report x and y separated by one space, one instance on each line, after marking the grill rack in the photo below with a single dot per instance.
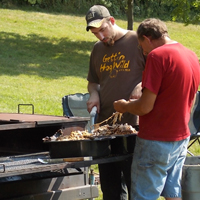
26 164
29 163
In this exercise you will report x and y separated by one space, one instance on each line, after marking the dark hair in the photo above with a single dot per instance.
153 28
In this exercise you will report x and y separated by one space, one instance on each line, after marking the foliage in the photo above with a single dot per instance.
116 7
151 8
187 11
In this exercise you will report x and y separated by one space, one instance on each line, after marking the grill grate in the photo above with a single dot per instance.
19 165
29 163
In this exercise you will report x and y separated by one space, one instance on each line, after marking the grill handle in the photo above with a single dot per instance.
2 166
26 105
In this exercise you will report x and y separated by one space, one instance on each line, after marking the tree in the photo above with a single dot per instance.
130 14
186 10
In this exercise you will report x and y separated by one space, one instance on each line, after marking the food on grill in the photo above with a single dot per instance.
116 116
106 130
55 136
115 129
99 131
76 135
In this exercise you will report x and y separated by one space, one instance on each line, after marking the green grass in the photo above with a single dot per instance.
44 56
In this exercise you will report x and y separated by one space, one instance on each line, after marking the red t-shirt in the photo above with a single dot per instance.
172 72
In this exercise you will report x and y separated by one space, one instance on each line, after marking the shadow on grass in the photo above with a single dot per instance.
51 58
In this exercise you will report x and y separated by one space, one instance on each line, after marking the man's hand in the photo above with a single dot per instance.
93 101
119 105
140 106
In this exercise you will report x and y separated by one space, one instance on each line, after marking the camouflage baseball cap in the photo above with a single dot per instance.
95 16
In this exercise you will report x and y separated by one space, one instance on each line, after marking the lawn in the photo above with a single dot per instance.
45 56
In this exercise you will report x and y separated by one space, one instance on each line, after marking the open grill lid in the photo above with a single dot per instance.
16 120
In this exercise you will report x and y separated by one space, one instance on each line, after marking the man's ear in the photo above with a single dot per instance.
112 20
147 38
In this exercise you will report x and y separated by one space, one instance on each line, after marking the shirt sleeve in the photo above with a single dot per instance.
153 74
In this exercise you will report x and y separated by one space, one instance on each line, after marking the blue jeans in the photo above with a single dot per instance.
157 169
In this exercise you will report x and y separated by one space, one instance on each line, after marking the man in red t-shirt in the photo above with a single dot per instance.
169 84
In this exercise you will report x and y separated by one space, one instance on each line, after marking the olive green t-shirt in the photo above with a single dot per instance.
118 69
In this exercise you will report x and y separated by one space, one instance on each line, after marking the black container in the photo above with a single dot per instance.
123 144
79 148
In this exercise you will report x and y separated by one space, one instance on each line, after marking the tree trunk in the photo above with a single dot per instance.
130 14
